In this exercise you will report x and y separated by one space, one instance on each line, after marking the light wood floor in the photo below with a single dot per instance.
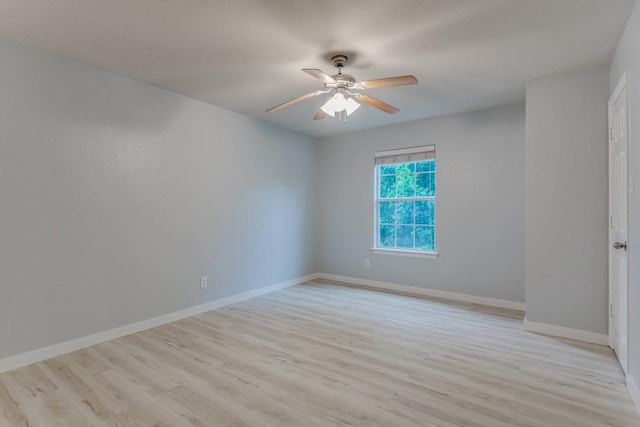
321 354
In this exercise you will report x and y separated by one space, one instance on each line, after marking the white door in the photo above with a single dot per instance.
618 221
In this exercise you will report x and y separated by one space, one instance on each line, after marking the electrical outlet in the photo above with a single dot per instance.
367 264
203 282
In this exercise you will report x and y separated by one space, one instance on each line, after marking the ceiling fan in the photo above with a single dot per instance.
344 92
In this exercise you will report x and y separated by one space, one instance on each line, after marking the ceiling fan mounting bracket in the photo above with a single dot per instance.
339 61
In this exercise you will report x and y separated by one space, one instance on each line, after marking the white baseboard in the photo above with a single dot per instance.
634 391
393 287
562 332
41 354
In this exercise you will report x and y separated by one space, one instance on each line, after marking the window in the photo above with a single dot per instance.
405 199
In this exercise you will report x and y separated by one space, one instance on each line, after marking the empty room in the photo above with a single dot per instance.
319 213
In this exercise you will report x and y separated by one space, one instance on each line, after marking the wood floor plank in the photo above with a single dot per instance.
324 354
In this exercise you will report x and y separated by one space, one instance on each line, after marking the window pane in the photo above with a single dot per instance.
406 185
425 238
426 166
406 180
425 213
387 210
388 170
404 212
387 236
426 184
421 184
404 238
404 168
431 186
388 186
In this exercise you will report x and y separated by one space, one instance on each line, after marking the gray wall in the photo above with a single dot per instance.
566 200
480 204
628 58
115 197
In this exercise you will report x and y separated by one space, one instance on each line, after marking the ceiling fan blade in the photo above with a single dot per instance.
377 103
319 115
389 81
320 75
294 100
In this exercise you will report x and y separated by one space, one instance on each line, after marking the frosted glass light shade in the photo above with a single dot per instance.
351 106
338 103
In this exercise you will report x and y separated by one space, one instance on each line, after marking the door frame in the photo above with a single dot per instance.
613 291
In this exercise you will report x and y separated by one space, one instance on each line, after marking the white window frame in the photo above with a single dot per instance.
405 155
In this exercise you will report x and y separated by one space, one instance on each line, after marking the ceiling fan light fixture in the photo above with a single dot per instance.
351 106
338 103
347 96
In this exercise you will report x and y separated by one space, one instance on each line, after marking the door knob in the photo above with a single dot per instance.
618 245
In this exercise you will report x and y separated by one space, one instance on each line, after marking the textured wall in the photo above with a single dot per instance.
566 200
479 213
115 197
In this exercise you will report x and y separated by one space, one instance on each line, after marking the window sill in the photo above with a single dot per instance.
403 252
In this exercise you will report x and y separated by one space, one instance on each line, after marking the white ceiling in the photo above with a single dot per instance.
246 55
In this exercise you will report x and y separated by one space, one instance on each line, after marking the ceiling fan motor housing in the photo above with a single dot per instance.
343 80
339 61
